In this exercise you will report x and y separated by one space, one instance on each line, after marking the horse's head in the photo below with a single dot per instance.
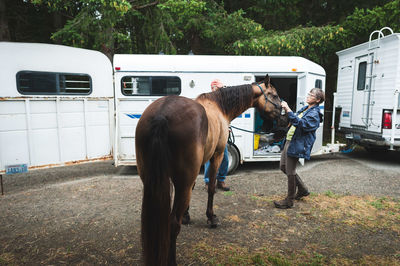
281 127
266 99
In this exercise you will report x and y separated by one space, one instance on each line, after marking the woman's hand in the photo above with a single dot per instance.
285 106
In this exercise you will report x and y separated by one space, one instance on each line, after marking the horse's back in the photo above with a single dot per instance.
187 128
184 115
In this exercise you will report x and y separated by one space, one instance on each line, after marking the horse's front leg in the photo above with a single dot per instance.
212 172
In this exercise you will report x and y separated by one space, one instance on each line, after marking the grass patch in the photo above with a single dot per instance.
6 259
332 195
235 255
257 260
208 254
278 260
261 198
228 193
367 211
380 204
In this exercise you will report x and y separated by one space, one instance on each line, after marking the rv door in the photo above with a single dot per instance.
361 90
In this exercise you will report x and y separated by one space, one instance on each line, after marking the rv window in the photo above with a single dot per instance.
150 86
318 83
362 71
36 83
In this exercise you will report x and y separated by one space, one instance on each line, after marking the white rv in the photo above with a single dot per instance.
141 79
61 105
368 88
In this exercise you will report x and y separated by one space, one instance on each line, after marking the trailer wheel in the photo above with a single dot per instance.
233 157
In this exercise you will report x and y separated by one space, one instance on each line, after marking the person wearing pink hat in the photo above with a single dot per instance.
223 168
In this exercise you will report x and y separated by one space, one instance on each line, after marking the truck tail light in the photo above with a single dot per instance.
387 120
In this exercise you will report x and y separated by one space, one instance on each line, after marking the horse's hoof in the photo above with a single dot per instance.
213 221
186 218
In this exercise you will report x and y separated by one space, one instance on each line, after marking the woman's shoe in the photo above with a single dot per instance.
301 193
302 190
284 204
288 201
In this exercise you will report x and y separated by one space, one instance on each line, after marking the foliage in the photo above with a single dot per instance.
92 23
287 14
185 19
226 29
24 22
147 32
362 22
312 42
313 29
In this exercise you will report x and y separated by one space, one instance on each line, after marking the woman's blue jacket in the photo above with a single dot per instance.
304 136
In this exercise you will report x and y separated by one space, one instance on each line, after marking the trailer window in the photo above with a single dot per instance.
318 83
36 83
150 86
362 74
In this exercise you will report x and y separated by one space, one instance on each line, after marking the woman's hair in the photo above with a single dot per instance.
319 94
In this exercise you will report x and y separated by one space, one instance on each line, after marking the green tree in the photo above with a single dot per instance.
363 21
287 14
23 22
205 27
92 23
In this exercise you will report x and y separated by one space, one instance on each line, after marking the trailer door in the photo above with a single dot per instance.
301 91
361 90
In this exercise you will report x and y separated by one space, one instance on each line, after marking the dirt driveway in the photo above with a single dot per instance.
90 214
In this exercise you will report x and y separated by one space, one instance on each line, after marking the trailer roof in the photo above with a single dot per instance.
17 57
394 36
215 64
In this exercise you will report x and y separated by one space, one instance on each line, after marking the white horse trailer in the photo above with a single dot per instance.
61 105
368 88
141 79
56 106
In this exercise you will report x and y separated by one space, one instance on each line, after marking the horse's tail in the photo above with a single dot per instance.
156 204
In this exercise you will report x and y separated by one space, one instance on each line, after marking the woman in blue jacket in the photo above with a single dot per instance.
299 141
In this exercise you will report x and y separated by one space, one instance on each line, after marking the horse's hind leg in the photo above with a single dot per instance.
186 215
181 203
214 165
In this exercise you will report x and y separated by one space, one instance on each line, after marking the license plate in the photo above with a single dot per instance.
16 169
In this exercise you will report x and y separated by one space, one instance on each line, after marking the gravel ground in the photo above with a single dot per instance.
357 173
90 214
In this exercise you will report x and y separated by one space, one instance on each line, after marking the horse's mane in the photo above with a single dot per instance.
231 100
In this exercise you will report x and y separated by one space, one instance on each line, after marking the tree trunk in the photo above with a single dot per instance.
195 44
4 31
107 47
58 23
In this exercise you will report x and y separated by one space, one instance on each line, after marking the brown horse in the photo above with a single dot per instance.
174 137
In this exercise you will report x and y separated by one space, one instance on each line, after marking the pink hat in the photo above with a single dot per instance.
216 83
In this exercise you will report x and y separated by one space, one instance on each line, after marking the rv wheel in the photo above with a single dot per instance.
233 156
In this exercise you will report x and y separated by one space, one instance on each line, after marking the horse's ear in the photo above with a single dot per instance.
267 80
